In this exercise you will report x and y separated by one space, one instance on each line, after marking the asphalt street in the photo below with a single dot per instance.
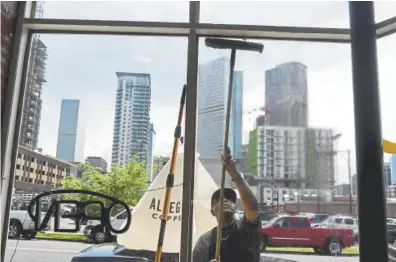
50 251
312 258
42 250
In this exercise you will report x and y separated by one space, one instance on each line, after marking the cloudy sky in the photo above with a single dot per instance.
83 67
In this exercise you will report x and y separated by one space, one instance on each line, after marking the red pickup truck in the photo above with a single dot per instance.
296 231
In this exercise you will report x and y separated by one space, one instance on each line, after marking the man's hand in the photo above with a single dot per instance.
230 163
214 260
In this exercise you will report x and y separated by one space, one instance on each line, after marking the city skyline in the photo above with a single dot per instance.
330 83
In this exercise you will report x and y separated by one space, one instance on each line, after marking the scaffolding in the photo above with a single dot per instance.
34 85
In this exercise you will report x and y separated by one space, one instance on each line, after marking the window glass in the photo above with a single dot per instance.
285 222
349 221
338 220
301 222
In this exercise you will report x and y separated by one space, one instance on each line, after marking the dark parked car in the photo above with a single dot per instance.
391 233
111 252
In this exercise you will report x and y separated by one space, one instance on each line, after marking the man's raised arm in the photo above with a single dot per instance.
248 199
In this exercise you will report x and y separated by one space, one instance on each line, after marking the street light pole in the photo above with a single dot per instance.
298 200
350 181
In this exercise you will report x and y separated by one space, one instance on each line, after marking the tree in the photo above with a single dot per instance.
125 182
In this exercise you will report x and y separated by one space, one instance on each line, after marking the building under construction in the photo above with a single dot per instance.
32 102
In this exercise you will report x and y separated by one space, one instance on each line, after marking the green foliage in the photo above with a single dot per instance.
126 183
61 236
253 151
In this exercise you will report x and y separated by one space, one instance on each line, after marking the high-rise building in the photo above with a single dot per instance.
392 162
98 162
277 154
319 159
236 125
131 118
213 80
242 161
260 121
286 94
150 149
341 190
387 174
390 192
292 156
354 185
32 102
70 145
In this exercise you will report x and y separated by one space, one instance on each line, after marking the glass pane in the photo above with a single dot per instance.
116 100
384 10
291 127
301 222
349 221
310 14
387 78
154 11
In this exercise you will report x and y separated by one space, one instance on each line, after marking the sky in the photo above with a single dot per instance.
83 67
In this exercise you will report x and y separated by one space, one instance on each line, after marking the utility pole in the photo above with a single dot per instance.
350 181
318 199
298 200
318 176
277 200
301 151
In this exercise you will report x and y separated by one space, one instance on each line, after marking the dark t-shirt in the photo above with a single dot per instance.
240 243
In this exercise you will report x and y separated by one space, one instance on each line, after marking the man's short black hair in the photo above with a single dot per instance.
229 194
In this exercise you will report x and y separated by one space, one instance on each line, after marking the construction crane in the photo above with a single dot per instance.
267 109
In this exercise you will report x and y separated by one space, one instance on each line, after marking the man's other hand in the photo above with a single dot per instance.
230 163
